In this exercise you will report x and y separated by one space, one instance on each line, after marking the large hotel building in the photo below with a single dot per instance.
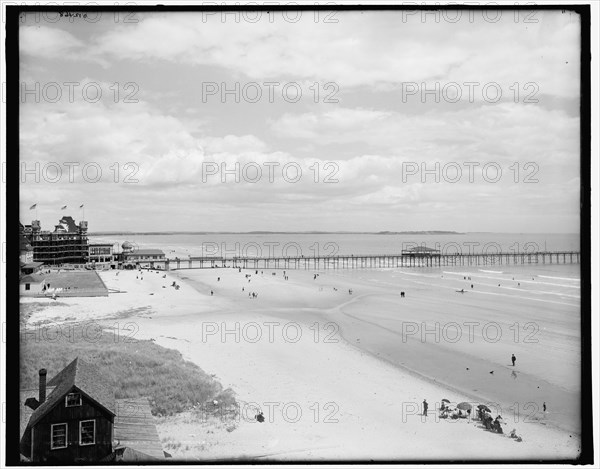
67 244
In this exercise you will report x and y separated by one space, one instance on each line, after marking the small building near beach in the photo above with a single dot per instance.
32 285
31 267
420 251
145 259
101 255
75 418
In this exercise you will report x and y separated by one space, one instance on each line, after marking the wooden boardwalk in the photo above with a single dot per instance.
377 261
135 428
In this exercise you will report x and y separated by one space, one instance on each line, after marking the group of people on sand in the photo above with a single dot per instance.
483 414
494 425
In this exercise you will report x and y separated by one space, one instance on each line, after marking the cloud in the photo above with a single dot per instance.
374 49
47 42
372 159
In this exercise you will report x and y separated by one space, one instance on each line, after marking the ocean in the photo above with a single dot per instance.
331 244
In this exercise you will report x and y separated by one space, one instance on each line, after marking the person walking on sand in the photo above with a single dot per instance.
514 359
544 406
425 407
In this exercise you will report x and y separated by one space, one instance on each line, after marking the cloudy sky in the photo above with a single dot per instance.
364 121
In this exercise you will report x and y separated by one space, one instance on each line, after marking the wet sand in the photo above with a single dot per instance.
454 339
458 339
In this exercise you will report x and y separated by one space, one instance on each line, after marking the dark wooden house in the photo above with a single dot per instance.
79 421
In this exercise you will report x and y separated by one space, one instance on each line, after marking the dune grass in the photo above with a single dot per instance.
136 368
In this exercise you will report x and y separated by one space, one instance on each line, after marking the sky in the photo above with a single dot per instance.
297 121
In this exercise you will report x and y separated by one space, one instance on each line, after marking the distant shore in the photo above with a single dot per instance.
167 233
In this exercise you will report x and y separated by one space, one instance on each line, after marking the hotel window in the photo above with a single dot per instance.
59 436
27 286
73 399
87 432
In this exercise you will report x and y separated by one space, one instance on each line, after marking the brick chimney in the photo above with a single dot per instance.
43 373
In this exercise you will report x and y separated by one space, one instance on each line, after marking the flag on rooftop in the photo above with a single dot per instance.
63 207
81 206
33 206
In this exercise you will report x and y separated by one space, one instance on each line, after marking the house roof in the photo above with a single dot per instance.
145 252
421 249
84 376
32 278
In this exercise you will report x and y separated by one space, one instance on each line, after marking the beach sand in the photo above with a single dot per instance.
342 376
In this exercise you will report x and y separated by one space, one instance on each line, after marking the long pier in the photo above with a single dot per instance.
377 261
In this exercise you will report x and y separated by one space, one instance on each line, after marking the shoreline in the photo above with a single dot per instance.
526 385
371 393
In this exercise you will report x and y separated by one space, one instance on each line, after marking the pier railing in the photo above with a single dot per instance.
370 261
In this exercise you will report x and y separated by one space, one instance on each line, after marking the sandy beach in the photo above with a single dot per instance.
342 375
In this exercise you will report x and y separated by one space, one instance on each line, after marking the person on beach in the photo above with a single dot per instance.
487 421
514 359
497 425
544 406
211 293
425 407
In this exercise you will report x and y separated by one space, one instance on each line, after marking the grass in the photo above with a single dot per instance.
136 368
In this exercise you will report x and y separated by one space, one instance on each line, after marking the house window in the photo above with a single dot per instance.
87 432
73 399
59 436
27 286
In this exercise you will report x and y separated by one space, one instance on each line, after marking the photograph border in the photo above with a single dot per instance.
13 12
